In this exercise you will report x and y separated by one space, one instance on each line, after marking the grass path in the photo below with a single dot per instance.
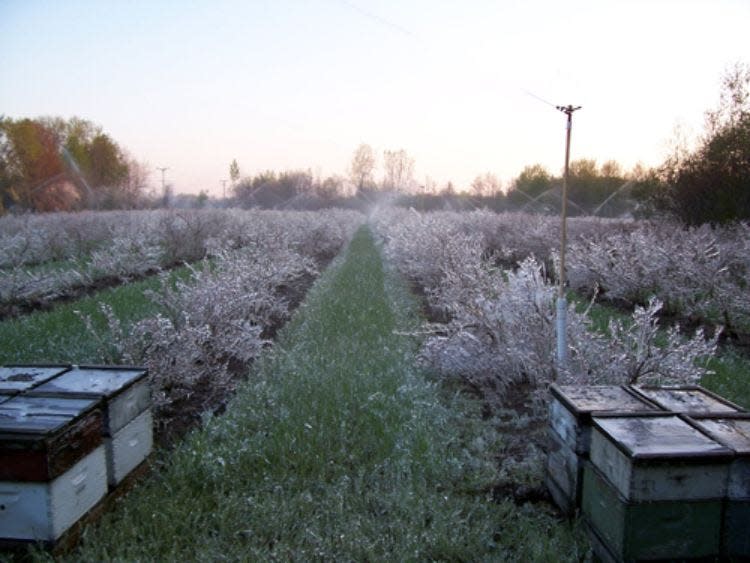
337 448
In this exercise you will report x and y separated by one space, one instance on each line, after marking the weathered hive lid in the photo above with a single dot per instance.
92 381
17 378
688 400
42 437
584 400
732 431
658 437
40 416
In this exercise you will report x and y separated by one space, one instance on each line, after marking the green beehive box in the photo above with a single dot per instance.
643 531
734 432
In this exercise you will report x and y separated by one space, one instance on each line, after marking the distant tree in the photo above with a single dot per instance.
532 182
34 176
486 185
234 172
363 167
712 183
399 170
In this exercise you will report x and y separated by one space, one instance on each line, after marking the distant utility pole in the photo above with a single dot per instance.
163 170
224 189
562 305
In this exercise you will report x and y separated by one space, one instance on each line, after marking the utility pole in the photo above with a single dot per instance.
224 189
163 170
562 305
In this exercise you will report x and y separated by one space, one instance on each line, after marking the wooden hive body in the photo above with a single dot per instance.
125 393
42 437
734 432
571 408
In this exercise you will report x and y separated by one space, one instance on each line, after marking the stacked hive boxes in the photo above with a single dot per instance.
570 434
66 433
663 484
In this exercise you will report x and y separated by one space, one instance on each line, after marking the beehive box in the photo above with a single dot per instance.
17 379
654 487
127 428
666 530
692 399
42 437
571 408
734 432
52 465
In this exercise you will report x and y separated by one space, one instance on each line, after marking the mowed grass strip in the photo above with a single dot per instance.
335 449
59 335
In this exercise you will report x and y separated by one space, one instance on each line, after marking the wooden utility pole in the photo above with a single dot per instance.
562 305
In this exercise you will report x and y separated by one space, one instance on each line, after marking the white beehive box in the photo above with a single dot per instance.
651 458
52 465
129 447
571 408
43 511
688 400
125 391
126 395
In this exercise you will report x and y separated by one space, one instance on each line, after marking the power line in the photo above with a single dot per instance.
381 20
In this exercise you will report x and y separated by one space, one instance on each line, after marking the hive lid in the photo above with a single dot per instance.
41 415
687 400
92 381
733 432
17 378
658 437
587 399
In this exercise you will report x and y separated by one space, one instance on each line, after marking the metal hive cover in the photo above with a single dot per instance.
653 437
593 398
732 432
22 378
687 400
41 415
94 381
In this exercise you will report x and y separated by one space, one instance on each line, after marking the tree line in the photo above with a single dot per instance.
53 164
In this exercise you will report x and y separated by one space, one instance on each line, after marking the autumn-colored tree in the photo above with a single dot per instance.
34 176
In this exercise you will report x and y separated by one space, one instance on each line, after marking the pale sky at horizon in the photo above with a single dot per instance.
291 84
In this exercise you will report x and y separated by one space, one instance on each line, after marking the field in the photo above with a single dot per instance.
334 386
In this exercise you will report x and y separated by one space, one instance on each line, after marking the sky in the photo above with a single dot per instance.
465 88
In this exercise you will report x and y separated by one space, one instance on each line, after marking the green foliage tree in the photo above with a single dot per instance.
532 182
712 183
34 176
234 172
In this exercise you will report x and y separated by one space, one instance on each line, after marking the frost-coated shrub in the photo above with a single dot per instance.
501 328
93 246
209 327
700 272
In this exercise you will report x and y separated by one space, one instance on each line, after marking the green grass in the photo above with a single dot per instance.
336 448
60 336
